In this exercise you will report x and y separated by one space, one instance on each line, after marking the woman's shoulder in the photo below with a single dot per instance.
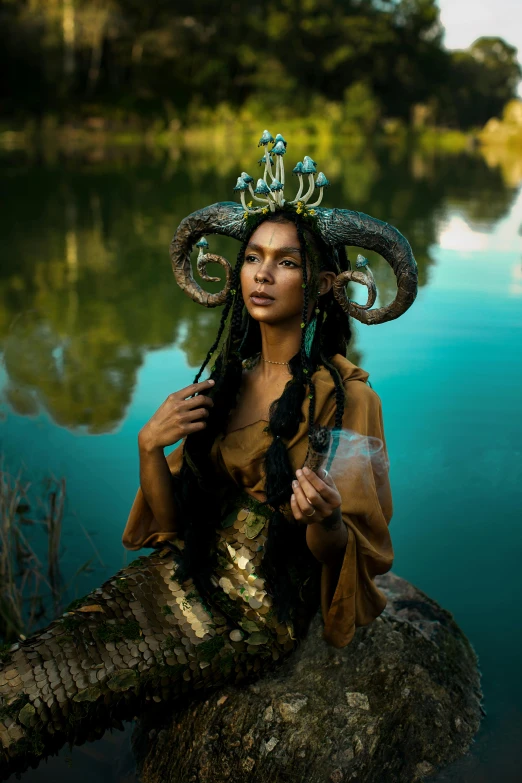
354 379
347 370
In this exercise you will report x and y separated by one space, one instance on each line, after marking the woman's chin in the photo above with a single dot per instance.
265 313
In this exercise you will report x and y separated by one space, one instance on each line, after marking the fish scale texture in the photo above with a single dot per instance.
142 636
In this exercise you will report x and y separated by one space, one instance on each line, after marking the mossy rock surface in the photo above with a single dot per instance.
398 704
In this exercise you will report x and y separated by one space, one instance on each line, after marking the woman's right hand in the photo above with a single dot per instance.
177 417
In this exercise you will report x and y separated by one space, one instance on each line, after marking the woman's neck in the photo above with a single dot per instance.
279 343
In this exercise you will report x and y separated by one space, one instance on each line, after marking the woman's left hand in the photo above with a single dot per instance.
314 499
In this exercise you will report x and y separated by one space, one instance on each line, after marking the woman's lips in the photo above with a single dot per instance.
261 300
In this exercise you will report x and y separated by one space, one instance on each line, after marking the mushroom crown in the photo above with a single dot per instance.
265 139
241 184
309 165
261 187
321 181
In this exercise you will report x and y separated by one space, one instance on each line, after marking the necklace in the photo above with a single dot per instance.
249 364
267 361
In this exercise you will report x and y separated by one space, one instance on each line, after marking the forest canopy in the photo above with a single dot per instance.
167 58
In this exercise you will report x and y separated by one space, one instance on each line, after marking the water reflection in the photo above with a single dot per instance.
86 287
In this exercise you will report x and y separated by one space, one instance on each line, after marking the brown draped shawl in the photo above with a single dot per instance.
362 482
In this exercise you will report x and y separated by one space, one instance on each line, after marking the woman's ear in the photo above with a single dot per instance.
326 281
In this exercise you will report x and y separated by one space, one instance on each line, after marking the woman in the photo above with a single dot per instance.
260 540
251 542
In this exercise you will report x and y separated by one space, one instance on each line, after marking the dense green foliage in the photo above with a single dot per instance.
379 58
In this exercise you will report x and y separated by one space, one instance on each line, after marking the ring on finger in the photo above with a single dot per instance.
313 512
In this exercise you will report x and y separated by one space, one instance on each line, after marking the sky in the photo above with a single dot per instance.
467 20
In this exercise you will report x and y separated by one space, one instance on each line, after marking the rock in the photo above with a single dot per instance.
399 703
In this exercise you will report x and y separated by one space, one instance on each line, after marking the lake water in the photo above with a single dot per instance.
94 334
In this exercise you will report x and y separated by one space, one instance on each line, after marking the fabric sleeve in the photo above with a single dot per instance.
142 529
360 472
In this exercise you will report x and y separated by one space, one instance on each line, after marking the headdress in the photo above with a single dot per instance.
337 227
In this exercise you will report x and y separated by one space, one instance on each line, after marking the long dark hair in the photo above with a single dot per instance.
328 332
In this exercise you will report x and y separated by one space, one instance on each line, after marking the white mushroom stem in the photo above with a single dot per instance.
316 203
296 199
277 175
245 206
256 198
281 176
268 166
310 189
275 200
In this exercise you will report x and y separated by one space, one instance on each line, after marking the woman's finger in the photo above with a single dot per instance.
199 387
196 414
325 487
195 426
296 511
197 402
326 478
305 506
311 494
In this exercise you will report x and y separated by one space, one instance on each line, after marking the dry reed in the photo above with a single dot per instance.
32 590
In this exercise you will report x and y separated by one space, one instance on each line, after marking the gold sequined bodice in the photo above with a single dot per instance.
240 542
240 611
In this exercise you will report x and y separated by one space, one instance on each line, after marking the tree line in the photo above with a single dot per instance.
169 58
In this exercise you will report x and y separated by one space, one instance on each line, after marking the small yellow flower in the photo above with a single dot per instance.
312 212
264 210
245 215
299 210
250 204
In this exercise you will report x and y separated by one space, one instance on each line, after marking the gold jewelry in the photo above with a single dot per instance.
270 362
310 515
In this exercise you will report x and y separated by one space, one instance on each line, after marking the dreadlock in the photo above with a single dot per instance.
327 333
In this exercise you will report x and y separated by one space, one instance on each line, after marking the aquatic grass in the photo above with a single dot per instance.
32 589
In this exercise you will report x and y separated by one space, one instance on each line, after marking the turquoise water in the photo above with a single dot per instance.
94 334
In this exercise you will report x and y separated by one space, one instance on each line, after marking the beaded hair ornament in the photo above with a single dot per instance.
337 227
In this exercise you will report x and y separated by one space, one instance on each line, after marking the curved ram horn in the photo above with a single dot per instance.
344 227
211 258
356 276
223 218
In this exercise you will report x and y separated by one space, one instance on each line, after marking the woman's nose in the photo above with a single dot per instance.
263 274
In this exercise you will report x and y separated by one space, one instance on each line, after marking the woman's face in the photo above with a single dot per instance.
272 274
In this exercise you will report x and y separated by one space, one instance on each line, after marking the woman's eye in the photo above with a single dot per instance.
289 262
250 258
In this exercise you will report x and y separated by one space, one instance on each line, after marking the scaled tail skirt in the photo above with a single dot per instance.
144 636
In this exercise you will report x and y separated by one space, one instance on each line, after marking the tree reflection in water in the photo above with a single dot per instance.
86 287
